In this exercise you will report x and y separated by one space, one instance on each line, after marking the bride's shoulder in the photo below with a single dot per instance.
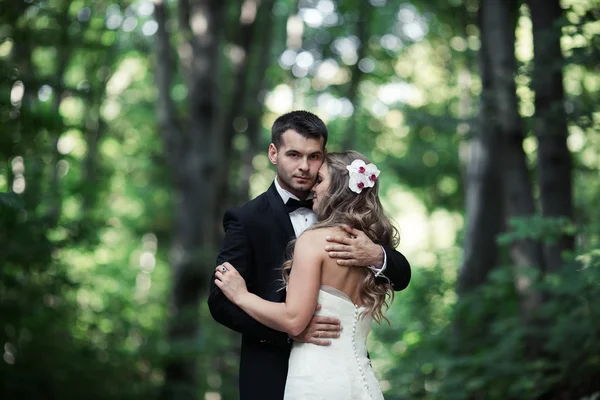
318 235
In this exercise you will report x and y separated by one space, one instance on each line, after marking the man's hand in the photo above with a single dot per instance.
354 251
318 329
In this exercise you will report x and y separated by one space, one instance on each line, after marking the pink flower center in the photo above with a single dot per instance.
360 185
361 170
373 177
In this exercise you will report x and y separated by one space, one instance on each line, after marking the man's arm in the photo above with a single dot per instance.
236 250
358 250
397 269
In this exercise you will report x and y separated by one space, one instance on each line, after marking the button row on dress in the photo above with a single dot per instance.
362 373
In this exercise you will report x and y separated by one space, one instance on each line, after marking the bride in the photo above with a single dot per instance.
346 193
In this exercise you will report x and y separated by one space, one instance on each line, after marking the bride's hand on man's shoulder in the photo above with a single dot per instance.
229 280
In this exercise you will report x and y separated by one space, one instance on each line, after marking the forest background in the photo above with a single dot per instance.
128 127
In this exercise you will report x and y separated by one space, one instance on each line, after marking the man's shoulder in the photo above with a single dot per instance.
251 208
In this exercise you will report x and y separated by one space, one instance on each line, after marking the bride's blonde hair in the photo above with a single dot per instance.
362 211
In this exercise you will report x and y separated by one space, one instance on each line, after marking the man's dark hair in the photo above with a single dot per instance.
305 123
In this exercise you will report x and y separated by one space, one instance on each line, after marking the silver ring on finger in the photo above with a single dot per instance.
223 269
318 334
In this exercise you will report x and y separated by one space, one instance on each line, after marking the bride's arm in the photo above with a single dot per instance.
303 287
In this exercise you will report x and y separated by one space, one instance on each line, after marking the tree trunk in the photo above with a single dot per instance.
255 104
23 126
499 19
206 147
96 128
244 42
192 157
484 205
554 158
362 32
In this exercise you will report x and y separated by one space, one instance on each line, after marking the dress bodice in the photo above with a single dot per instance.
341 370
356 325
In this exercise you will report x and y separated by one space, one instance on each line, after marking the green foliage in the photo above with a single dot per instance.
545 229
484 352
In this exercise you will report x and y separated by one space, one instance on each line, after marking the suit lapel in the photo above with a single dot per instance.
280 213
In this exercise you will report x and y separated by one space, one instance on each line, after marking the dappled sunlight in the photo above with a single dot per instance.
576 139
71 207
66 144
6 47
411 24
72 142
394 119
280 100
18 170
72 109
399 92
327 71
147 264
334 107
212 396
260 182
126 206
295 29
18 184
392 146
16 94
129 70
346 48
421 233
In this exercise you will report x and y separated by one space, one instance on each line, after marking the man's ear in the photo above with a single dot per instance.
273 154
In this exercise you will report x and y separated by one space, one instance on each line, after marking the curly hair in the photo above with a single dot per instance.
363 211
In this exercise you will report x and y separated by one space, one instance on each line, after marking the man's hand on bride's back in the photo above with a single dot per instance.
319 330
354 249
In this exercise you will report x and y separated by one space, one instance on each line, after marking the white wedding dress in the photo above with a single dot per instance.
341 370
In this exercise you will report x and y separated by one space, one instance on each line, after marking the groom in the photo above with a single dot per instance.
256 238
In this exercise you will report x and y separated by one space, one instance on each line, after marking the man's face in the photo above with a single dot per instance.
298 160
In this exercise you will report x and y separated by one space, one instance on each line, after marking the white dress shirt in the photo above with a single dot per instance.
302 218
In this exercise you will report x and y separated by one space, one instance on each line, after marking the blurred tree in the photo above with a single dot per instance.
250 54
193 151
484 205
258 82
224 73
362 29
554 158
498 47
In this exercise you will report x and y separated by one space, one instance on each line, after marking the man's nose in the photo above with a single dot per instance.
304 164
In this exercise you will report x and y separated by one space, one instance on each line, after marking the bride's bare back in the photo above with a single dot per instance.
345 279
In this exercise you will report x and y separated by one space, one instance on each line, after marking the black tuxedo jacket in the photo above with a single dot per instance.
256 239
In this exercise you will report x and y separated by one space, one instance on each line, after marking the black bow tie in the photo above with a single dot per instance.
292 204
